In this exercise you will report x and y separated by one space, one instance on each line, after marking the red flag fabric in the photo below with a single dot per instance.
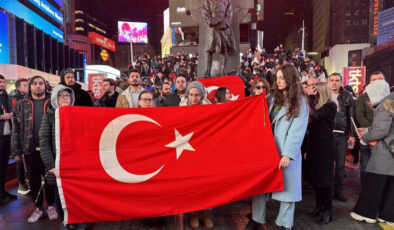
233 83
119 164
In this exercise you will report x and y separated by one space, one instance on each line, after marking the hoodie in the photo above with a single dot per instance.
82 98
47 130
377 91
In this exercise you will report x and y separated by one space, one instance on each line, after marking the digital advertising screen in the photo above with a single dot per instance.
4 43
50 10
137 32
21 11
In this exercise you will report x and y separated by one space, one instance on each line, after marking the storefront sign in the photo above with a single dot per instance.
104 55
102 41
96 84
355 77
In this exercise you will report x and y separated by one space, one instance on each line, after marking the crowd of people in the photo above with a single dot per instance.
314 121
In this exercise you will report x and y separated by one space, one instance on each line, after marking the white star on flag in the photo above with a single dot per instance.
181 143
233 98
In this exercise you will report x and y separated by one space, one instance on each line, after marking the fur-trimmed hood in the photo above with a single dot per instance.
389 103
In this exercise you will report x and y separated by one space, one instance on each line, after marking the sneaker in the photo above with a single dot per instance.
383 221
36 215
362 218
23 189
52 214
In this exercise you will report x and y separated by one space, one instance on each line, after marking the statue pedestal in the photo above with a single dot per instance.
240 10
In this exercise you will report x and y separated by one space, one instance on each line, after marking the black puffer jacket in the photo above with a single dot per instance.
346 110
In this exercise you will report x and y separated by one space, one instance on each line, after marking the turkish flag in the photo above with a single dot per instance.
119 164
233 83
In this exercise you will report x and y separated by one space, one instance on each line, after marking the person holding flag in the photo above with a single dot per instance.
289 115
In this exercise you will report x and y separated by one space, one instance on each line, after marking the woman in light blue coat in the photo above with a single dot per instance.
289 119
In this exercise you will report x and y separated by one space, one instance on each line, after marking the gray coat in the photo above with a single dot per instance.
382 161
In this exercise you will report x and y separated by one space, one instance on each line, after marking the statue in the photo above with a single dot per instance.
217 15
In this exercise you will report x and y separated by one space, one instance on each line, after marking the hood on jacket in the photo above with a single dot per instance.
389 103
63 73
58 89
199 86
377 91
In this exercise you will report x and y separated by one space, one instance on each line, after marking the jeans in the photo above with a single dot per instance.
340 158
285 216
365 152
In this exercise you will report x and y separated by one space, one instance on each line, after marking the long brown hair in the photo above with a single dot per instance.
293 90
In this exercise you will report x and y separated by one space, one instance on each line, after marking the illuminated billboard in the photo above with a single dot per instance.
137 32
385 26
21 11
4 43
48 9
102 41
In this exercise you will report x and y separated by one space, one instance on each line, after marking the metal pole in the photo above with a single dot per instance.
131 52
303 38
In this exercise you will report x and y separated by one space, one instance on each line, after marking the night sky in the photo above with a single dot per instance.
111 11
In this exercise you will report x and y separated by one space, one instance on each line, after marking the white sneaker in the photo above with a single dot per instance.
36 215
52 214
383 221
23 189
362 218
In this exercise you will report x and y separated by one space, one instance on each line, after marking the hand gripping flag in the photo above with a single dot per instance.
119 164
234 83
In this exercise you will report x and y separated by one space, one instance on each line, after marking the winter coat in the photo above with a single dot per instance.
321 145
364 112
288 135
15 97
47 130
5 107
124 99
22 130
381 161
346 111
172 100
108 101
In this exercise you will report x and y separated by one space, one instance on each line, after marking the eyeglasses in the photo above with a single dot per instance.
146 99
261 87
194 95
64 96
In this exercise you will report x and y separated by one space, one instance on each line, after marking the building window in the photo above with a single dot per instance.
356 12
347 13
79 20
355 22
364 22
347 22
78 12
79 29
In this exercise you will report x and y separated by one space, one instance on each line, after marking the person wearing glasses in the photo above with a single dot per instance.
195 96
145 100
62 96
261 86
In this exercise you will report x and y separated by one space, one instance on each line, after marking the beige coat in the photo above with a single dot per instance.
124 99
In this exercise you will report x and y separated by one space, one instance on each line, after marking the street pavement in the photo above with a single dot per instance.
13 214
